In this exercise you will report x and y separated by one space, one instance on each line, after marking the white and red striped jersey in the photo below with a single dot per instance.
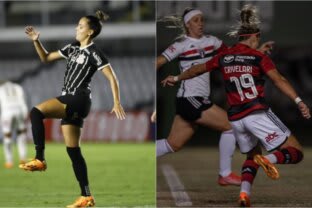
12 99
191 51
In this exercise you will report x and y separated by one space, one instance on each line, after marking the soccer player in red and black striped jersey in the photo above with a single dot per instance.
83 60
243 68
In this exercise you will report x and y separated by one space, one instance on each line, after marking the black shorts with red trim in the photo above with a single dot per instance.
191 108
77 107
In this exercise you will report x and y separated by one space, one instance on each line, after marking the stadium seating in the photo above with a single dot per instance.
136 77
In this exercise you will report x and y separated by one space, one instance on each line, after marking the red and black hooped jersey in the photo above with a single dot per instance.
242 69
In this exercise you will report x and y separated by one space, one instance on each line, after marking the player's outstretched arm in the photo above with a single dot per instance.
282 83
188 74
117 109
161 60
44 55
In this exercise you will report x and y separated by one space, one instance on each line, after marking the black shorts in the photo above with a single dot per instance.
77 107
190 108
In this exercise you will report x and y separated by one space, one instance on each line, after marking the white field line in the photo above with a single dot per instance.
177 189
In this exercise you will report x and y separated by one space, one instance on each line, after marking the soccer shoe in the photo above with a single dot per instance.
231 179
22 162
243 200
8 165
83 201
34 165
267 166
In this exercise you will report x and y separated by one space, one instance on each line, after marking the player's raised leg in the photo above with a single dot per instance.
51 108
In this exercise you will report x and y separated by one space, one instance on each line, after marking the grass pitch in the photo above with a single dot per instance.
119 175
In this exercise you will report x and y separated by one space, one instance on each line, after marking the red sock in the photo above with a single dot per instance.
249 170
288 155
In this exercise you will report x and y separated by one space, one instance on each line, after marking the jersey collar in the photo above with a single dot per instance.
81 48
194 39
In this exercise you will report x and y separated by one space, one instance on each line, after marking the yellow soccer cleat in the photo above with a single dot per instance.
243 200
267 166
34 165
83 201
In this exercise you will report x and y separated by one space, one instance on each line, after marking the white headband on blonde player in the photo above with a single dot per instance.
191 14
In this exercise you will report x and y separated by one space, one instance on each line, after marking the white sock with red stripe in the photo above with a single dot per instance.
226 151
162 147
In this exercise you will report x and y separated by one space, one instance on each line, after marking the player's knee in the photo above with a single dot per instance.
228 127
8 135
21 131
36 114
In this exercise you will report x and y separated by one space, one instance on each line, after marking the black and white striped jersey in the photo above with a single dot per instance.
82 63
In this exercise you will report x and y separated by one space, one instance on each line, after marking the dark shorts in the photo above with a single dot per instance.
77 107
190 108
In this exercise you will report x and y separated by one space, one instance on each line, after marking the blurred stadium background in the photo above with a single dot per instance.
128 39
292 54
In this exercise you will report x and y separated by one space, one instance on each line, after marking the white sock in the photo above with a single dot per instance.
226 151
162 147
246 187
7 147
272 158
21 145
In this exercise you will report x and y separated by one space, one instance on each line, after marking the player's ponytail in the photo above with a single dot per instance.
95 22
248 25
102 17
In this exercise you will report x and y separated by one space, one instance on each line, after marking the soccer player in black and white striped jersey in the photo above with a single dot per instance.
83 60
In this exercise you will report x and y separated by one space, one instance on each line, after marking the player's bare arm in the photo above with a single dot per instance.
282 83
44 55
117 109
161 60
188 74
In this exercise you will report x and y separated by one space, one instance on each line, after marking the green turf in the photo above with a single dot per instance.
119 175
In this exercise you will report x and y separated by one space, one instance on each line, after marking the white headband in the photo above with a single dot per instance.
191 14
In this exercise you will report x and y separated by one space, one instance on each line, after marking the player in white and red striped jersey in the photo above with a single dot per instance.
252 120
193 105
191 51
